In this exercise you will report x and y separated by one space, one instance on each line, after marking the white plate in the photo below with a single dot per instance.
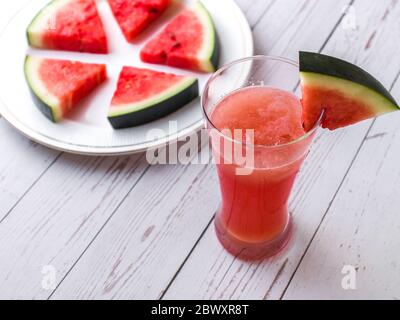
87 131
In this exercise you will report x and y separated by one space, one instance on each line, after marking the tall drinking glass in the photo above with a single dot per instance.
253 221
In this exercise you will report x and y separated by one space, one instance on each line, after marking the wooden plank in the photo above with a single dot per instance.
128 268
153 231
223 277
362 226
22 163
289 25
255 9
57 220
244 4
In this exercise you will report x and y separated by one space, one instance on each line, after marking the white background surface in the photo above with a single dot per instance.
117 228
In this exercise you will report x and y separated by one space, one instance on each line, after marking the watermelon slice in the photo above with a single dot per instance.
71 25
188 42
144 95
59 85
134 16
345 92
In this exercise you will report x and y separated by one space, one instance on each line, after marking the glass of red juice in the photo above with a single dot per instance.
254 119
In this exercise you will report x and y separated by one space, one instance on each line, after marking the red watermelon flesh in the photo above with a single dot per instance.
136 85
340 111
60 84
71 81
71 25
134 16
188 42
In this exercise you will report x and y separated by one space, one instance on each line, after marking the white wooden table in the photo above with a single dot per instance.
116 228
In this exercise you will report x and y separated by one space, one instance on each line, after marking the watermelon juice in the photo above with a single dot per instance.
253 220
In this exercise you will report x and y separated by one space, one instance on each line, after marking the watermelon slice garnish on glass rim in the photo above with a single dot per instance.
343 92
189 42
59 85
144 95
134 16
70 25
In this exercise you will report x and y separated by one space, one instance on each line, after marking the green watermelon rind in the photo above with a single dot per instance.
210 59
39 23
330 73
47 103
156 107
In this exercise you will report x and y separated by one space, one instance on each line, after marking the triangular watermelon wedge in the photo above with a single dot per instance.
189 41
134 16
144 95
59 85
70 25
345 93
